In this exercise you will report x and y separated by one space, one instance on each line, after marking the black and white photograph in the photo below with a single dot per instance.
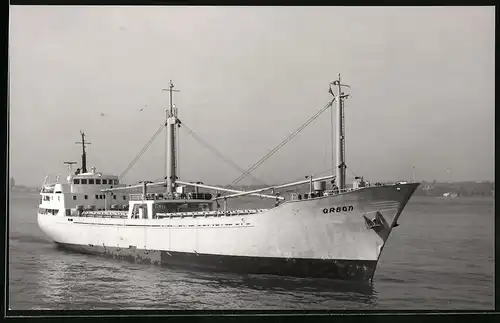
250 158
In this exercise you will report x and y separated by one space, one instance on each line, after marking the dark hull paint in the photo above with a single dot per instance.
352 270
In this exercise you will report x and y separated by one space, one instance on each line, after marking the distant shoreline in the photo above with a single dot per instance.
463 197
436 189
24 189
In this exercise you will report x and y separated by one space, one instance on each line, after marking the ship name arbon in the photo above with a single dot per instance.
344 208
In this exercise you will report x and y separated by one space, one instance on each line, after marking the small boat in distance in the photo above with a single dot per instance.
334 233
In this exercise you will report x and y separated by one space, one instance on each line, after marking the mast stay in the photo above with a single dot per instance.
284 142
171 159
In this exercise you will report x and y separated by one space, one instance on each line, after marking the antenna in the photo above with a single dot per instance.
170 89
84 154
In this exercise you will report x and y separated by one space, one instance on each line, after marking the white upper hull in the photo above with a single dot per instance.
295 229
340 235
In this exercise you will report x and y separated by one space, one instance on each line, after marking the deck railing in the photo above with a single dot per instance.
306 196
124 214
175 196
210 213
105 214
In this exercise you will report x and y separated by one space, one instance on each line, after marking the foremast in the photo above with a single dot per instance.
340 133
170 123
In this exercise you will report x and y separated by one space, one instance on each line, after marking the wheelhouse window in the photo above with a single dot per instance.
98 181
74 197
48 211
102 196
105 181
124 197
114 197
84 181
91 181
76 181
86 197
97 196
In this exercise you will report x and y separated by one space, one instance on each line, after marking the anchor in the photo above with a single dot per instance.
376 224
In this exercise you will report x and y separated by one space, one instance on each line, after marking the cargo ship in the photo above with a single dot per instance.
330 231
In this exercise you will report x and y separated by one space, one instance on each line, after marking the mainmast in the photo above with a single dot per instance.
84 154
170 123
340 134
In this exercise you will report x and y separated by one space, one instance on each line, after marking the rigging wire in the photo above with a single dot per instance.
143 150
351 171
228 161
216 152
284 142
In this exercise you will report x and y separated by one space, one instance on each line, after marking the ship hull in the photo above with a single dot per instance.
330 237
352 270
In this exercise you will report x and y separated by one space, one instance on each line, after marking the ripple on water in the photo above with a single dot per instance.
446 265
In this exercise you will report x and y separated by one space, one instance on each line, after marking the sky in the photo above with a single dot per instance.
422 90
